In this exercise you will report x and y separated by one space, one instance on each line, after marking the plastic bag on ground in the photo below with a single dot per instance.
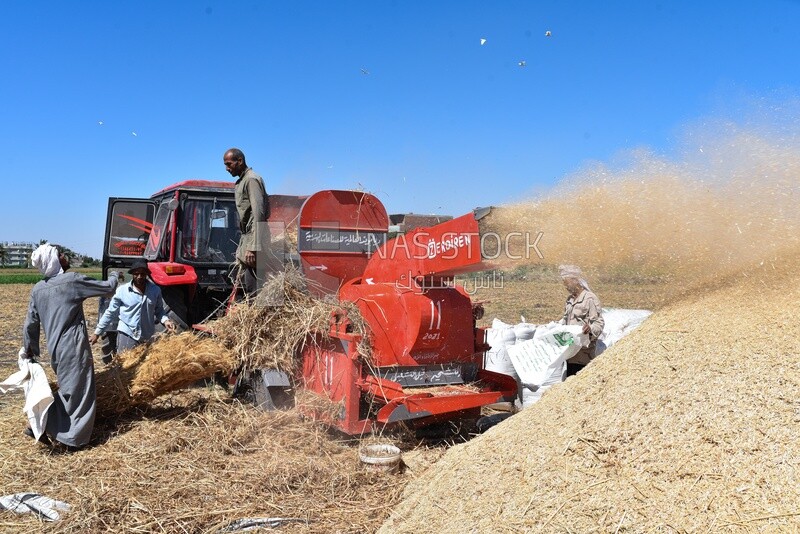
23 503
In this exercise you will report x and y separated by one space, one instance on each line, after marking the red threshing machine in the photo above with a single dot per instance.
426 362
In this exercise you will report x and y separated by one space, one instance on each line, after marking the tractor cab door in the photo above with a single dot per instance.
128 225
129 222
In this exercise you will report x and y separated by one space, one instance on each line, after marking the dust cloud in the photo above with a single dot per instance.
727 204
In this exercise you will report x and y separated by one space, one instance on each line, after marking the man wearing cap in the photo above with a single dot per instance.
135 308
582 308
253 206
56 305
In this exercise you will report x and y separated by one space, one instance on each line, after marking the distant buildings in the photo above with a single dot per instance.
15 254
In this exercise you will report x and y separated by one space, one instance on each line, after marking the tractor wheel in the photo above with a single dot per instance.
175 298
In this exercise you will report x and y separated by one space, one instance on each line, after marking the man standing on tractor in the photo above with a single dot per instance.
253 207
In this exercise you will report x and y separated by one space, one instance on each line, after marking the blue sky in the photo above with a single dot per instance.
396 97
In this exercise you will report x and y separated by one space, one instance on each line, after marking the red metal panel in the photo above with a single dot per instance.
413 326
331 371
447 249
424 408
338 230
184 274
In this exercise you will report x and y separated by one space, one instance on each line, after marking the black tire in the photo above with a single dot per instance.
175 298
488 421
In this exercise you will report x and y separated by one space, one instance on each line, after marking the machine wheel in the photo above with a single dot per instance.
175 299
488 421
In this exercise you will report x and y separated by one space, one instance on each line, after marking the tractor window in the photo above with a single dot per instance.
158 244
130 227
209 230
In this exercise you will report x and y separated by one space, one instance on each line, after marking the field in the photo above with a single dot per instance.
31 276
535 292
197 460
689 424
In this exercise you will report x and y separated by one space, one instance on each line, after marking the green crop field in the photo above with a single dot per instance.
31 276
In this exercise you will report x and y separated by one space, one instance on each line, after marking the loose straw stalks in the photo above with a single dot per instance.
267 332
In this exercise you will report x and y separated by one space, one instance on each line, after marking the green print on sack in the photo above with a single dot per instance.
564 339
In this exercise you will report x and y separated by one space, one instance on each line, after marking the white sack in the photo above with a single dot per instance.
524 332
552 345
531 395
497 360
32 380
618 324
499 337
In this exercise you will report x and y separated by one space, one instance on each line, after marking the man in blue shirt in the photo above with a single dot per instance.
137 305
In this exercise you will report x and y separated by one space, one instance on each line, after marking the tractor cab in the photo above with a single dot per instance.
188 232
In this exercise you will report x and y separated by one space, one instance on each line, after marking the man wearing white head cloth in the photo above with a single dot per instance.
56 305
582 308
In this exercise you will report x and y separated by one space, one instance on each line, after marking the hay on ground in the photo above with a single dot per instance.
167 364
267 332
688 424
195 462
323 408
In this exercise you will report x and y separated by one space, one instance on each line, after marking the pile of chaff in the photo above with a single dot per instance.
688 424
171 362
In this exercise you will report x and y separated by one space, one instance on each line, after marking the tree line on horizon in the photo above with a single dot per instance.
86 261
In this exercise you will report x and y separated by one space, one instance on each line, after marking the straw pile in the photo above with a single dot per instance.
269 331
196 463
266 332
690 423
170 363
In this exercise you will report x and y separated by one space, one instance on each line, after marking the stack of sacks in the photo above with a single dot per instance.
618 324
501 336
541 362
